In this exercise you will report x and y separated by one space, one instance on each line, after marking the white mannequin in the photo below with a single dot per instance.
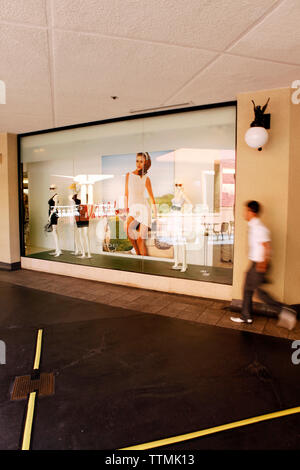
53 211
84 242
76 234
180 198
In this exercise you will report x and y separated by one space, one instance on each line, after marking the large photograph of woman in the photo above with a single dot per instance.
138 189
141 187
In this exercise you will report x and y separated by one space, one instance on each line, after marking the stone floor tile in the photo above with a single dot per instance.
188 315
197 309
294 335
219 304
143 305
173 309
272 329
256 327
211 316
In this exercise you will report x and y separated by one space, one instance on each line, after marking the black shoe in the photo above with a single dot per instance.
241 320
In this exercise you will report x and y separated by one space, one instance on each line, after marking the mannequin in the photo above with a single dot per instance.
73 213
180 198
82 222
53 218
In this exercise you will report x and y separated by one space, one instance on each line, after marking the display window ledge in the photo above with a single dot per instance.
173 285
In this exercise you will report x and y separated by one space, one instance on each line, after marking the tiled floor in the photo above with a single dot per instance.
189 308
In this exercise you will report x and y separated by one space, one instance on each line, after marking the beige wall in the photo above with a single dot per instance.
9 207
292 278
270 177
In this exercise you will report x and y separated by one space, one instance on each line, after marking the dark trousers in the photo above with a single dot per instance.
253 282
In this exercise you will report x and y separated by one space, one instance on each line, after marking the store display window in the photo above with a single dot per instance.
152 194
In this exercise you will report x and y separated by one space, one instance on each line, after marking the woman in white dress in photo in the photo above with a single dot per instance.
137 207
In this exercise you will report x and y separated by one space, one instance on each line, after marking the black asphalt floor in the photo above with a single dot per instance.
123 378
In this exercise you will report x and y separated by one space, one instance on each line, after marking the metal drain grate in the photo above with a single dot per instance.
24 385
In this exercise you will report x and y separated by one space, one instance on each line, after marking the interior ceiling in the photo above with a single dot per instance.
62 60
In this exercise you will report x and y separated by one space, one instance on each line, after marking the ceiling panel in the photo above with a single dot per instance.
105 111
31 12
277 37
230 75
150 53
90 69
25 70
19 123
199 23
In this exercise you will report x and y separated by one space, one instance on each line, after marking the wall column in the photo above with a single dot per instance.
9 203
272 178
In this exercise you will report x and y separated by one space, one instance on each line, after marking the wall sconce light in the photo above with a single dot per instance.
257 136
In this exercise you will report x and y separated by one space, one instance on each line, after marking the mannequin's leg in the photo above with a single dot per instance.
87 241
52 253
81 242
183 248
176 256
176 233
76 240
55 236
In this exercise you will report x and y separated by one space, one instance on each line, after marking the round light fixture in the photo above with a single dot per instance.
256 137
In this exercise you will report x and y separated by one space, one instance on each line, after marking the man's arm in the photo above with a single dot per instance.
263 265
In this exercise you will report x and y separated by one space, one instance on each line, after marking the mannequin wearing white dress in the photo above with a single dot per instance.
180 198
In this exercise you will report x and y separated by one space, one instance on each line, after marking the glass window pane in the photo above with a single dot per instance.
153 194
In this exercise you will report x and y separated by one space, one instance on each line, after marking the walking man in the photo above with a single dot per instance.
259 245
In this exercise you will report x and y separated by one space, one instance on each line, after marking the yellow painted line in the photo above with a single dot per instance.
28 422
38 350
206 432
32 396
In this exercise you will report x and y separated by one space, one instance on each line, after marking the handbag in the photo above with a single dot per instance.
48 227
159 242
161 245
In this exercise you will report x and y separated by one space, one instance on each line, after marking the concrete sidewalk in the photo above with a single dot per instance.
195 309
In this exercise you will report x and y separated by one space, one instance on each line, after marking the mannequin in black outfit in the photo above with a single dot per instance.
53 218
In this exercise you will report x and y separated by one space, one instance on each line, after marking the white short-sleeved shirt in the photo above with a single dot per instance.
258 234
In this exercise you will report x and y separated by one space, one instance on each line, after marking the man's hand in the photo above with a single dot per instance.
261 267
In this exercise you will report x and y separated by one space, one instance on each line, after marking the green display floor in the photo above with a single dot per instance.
146 266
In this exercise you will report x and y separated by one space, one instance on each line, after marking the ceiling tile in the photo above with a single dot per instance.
205 24
25 69
21 123
107 111
277 37
230 75
91 69
32 12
